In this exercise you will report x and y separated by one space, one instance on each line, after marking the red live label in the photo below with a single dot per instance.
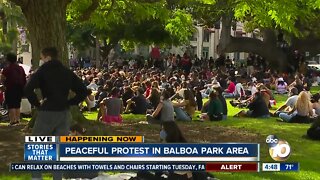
232 167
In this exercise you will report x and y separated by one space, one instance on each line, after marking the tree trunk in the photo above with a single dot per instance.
105 51
98 59
266 48
14 46
46 22
309 44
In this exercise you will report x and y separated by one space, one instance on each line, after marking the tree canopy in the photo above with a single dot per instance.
143 22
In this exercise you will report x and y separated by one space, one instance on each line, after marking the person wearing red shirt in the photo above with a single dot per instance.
148 89
14 79
229 92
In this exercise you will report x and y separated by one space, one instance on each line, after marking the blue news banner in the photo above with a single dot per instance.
289 166
40 152
115 156
152 152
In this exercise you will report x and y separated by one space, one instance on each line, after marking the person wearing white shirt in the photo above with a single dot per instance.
93 86
253 89
131 64
239 92
282 112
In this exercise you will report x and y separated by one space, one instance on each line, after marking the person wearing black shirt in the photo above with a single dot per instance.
55 82
220 62
138 104
257 108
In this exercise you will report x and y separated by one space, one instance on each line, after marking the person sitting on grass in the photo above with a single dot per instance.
265 93
90 101
198 97
281 86
138 104
214 109
229 92
186 108
252 88
111 108
297 83
164 111
171 133
257 108
303 110
223 101
288 105
314 131
154 98
127 94
316 103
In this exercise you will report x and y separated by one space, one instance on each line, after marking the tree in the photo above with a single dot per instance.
46 23
131 21
11 17
272 21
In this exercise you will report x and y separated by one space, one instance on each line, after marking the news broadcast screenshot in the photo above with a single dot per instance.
159 89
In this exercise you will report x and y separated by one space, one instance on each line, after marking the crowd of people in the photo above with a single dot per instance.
174 87
176 92
164 90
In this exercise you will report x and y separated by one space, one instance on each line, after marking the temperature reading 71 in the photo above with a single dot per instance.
289 166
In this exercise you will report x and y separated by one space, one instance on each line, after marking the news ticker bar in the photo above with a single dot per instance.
280 167
84 139
133 152
208 167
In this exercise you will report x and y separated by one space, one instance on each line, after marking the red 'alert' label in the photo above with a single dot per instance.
232 167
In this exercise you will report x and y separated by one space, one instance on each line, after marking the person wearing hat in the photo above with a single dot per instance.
281 86
138 104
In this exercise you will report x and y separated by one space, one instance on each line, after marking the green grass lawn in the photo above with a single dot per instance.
303 150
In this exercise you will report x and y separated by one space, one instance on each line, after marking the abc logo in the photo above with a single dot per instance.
279 150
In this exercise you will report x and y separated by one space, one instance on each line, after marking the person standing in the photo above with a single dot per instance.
55 82
14 79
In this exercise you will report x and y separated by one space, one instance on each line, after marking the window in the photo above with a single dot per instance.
206 36
205 52
194 36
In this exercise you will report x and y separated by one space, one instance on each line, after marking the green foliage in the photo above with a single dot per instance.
135 21
290 16
5 48
272 14
127 45
180 25
13 13
80 36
